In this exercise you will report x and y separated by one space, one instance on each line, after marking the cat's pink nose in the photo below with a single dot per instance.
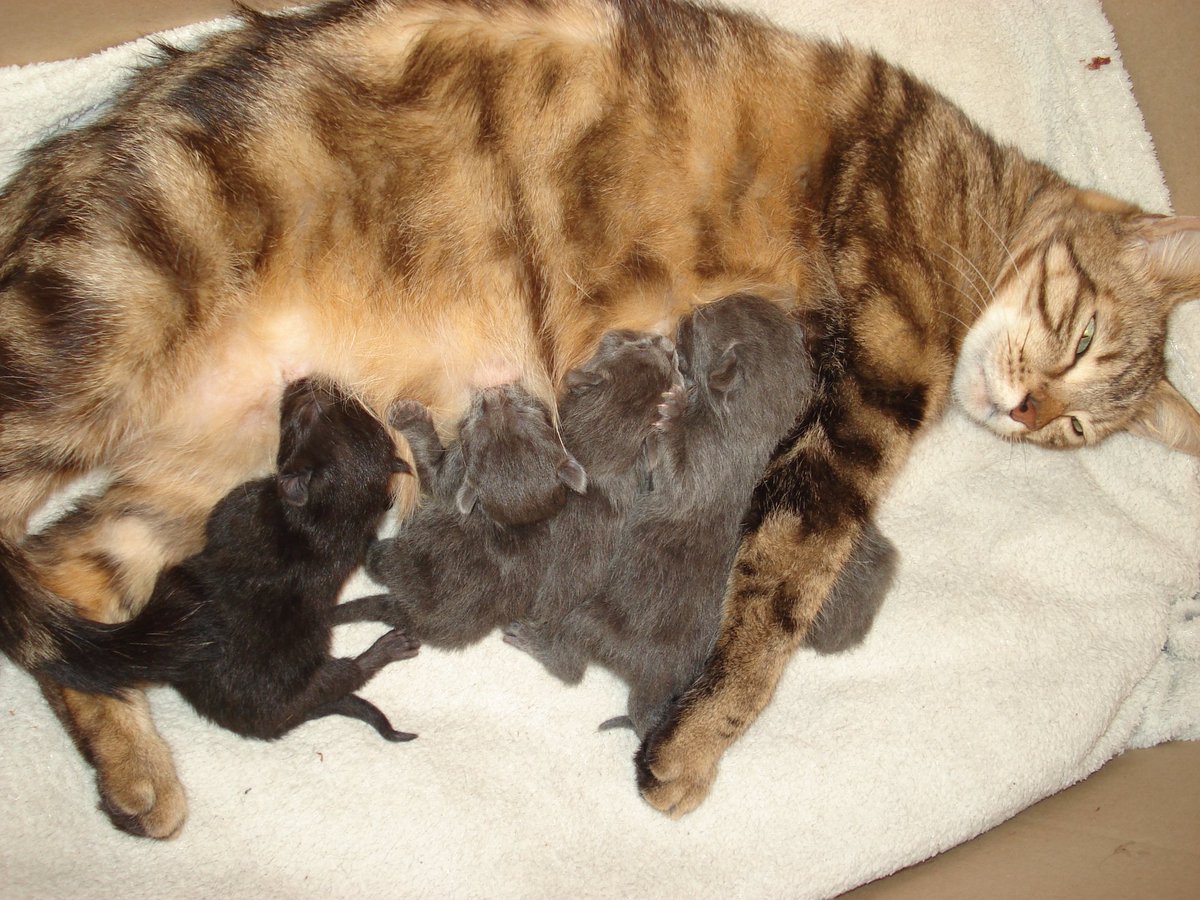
1026 413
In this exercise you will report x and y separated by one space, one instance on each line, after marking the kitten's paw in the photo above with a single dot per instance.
406 413
395 645
671 409
675 770
519 635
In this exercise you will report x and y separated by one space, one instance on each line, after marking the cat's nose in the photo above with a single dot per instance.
1026 413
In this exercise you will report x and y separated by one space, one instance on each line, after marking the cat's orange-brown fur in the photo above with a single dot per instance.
415 198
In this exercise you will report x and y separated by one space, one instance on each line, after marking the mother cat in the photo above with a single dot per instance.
417 198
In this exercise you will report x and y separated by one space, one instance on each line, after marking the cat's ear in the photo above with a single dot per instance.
1167 249
571 473
724 375
1098 201
466 498
582 378
293 487
1169 419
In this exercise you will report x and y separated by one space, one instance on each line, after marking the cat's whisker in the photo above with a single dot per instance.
965 295
975 268
977 302
1012 261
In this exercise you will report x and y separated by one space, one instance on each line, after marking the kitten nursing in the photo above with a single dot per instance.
402 195
454 572
242 629
623 577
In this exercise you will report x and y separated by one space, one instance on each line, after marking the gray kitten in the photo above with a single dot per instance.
467 562
748 377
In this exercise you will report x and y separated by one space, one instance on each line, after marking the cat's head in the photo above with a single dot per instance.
335 459
1070 348
745 355
610 403
516 468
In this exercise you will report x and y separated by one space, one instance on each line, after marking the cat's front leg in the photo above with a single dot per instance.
778 585
809 511
385 608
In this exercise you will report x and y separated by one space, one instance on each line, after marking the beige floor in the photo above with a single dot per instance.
1132 830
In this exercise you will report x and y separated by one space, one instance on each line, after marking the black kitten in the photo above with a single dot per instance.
747 377
243 629
457 570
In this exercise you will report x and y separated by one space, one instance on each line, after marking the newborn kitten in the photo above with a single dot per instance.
456 571
847 616
748 378
242 629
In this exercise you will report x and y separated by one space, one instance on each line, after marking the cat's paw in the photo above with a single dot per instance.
140 791
675 768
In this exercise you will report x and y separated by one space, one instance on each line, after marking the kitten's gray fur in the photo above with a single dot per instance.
748 378
456 570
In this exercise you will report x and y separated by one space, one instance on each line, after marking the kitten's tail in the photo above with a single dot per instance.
41 632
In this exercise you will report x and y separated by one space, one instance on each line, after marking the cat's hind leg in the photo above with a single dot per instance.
560 658
106 563
355 707
140 791
337 679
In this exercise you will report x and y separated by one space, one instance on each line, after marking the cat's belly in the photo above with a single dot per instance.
218 423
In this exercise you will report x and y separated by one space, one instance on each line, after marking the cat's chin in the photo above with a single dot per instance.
986 398
974 394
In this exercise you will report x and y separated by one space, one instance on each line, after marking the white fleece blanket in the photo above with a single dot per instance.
1044 619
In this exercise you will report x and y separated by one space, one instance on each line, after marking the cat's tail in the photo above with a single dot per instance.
43 634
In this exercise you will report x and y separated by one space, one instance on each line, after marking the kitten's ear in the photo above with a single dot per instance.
466 498
582 378
401 466
293 487
403 414
1169 419
1167 248
571 473
724 375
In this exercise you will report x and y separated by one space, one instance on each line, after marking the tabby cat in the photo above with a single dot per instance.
420 197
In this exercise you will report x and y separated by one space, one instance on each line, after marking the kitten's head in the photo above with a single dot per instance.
335 459
610 403
744 357
516 468
1070 349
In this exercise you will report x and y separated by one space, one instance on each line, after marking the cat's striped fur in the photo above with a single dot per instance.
416 198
